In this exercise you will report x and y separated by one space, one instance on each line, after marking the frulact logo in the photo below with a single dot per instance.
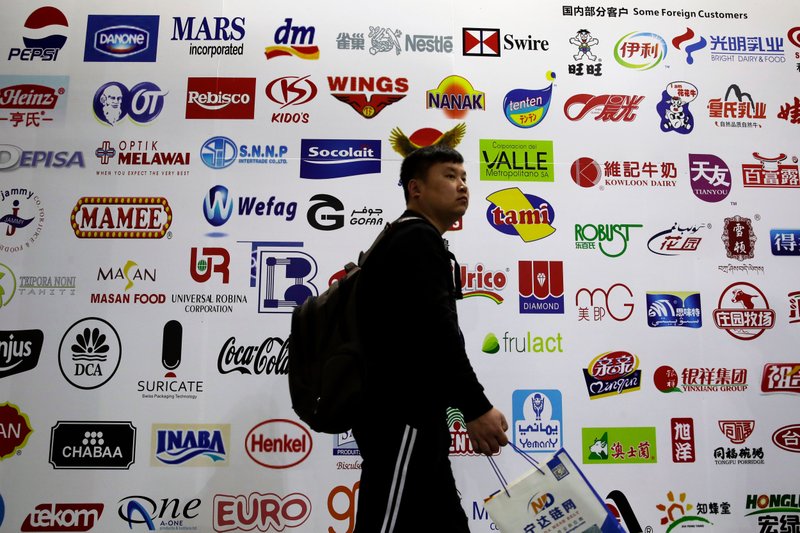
121 38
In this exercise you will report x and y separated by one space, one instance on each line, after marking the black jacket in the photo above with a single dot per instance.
416 363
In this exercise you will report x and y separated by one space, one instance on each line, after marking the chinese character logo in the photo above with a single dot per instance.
691 48
710 177
676 512
674 107
739 238
640 50
743 311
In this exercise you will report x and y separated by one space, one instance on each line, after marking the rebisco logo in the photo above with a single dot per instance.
121 217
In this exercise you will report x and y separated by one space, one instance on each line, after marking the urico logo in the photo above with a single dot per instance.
221 98
121 217
481 282
368 96
612 374
750 315
278 443
63 517
203 262
455 96
121 38
781 377
259 511
293 40
513 212
787 438
541 287
291 91
40 43
15 429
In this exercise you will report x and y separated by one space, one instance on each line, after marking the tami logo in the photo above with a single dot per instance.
515 213
676 513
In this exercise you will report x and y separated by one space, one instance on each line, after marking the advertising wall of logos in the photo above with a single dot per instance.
175 177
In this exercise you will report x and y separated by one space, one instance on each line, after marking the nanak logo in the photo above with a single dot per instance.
43 36
19 350
92 445
63 517
455 96
278 443
368 96
611 239
121 217
262 511
89 353
338 158
121 38
15 429
513 212
541 287
142 103
221 98
291 40
190 444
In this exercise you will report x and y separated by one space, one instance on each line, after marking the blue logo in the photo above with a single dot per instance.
124 38
785 241
180 446
134 507
675 309
218 205
141 104
525 108
337 158
2 509
538 420
344 444
282 274
674 107
218 152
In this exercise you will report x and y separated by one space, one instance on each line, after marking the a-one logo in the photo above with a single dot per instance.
690 48
13 157
674 309
516 160
673 108
142 103
221 98
640 50
89 353
92 445
710 177
63 517
44 35
736 431
525 108
269 357
541 287
460 443
513 212
32 101
218 205
121 38
148 511
8 285
676 240
707 379
331 218
368 96
283 275
537 420
337 158
612 374
479 281
483 42
620 308
15 430
787 438
619 445
218 152
265 511
291 40
739 238
770 172
190 444
204 262
456 96
604 237
278 443
785 241
781 377
121 217
683 443
741 111
603 107
585 41
22 214
19 350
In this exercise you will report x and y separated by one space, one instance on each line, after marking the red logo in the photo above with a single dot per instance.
278 443
221 98
739 238
737 431
749 315
781 377
29 96
605 107
354 91
343 510
770 173
63 517
481 42
15 428
482 282
260 511
787 438
794 36
586 172
291 90
121 217
683 449
211 260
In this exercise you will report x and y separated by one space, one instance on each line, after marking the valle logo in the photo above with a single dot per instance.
121 38
525 108
513 212
674 309
339 158
190 444
221 152
516 160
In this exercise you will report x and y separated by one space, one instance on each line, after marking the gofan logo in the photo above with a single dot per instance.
513 212
259 511
19 350
750 314
122 38
611 374
93 445
39 43
15 429
338 158
121 217
278 443
787 438
221 98
63 517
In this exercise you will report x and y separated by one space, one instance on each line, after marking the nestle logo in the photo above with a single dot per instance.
121 38
278 443
221 98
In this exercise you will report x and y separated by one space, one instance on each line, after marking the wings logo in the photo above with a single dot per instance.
39 42
691 48
360 92
525 108
515 213
293 40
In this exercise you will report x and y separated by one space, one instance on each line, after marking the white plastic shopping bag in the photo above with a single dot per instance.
553 497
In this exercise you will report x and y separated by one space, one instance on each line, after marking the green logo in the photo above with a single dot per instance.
517 160
624 445
490 344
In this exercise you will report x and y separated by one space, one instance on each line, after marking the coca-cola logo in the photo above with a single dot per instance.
278 443
63 517
787 438
221 98
269 357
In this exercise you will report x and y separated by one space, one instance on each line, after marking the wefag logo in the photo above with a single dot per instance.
787 438
354 91
278 443
612 374
63 517
640 50
455 96
513 212
541 287
37 47
781 377
525 108
121 217
19 350
338 158
516 160
749 317
221 98
121 38
259 511
291 40
15 430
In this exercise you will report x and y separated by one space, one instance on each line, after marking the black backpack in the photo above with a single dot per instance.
325 359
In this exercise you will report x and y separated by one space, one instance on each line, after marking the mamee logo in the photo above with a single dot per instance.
337 158
190 444
513 212
121 217
221 98
278 443
92 445
19 350
122 38
63 517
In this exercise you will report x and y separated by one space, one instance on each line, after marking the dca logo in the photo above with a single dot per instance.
121 38
142 103
89 353
515 213
39 40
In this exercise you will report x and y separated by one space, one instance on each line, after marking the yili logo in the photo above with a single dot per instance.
190 444
640 50
513 212
122 38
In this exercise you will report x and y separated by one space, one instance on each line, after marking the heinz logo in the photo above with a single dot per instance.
278 443
121 217
63 517
121 38
221 98
514 213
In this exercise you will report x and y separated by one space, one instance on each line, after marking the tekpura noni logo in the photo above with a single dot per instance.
743 311
32 101
676 513
121 38
640 50
537 420
585 60
43 36
22 214
15 430
525 108
141 104
368 96
456 96
710 177
771 172
612 373
291 40
673 108
513 212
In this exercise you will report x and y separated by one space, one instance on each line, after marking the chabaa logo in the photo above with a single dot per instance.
515 213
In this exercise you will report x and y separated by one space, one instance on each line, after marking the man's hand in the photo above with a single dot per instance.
488 432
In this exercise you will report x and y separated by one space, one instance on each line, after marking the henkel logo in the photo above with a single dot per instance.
40 42
93 445
617 302
63 517
291 40
368 96
710 177
15 429
541 287
787 438
604 107
278 443
32 101
89 353
338 158
513 212
221 98
737 431
455 96
750 314
121 38
204 262
640 50
612 374
259 511
771 173
19 350
478 281
781 377
141 104
121 217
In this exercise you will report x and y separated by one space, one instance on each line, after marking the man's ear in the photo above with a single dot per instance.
414 188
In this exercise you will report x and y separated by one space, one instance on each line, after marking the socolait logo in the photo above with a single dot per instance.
190 444
537 420
368 96
92 445
19 350
541 287
121 38
15 430
525 108
710 177
291 40
338 158
750 314
673 108
221 98
63 517
278 443
674 309
513 212
640 50
13 157
455 96
43 35
141 104
32 101
781 377
619 445
121 217
516 160
89 353
612 374
22 213
262 511
205 35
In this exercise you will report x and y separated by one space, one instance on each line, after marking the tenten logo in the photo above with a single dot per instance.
525 108
455 96
640 50
691 48
514 213
39 42
293 41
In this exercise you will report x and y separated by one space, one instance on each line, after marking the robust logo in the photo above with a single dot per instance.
513 212
19 350
781 377
32 101
121 217
541 287
537 420
15 430
221 98
89 353
612 374
282 274
278 443
93 445
258 510
354 91
525 108
673 108
338 158
771 173
37 47
674 309
63 517
190 444
710 177
603 236
121 38
142 103
619 445
640 50
291 40
517 160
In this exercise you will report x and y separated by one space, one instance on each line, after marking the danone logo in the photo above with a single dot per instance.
515 213
611 374
640 50
525 108
455 96
15 429
517 160
121 38
337 158
278 443
121 217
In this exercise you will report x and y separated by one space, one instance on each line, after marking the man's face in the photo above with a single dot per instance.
444 194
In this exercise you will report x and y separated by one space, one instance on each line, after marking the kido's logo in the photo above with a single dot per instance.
278 443
121 38
39 42
515 213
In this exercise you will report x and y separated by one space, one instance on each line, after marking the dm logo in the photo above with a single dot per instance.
295 41
640 50
218 205
218 152
525 108
515 213
121 38
141 104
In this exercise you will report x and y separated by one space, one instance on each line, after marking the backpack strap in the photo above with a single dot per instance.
362 256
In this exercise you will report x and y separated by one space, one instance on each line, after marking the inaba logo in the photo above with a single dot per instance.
126 38
45 48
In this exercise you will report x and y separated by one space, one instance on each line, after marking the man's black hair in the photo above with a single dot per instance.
417 163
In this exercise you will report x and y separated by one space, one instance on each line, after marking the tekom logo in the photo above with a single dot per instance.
455 96
525 108
62 517
612 374
640 50
190 444
293 40
513 212
676 512
278 443
121 38
691 48
338 158
39 45
15 429
541 287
